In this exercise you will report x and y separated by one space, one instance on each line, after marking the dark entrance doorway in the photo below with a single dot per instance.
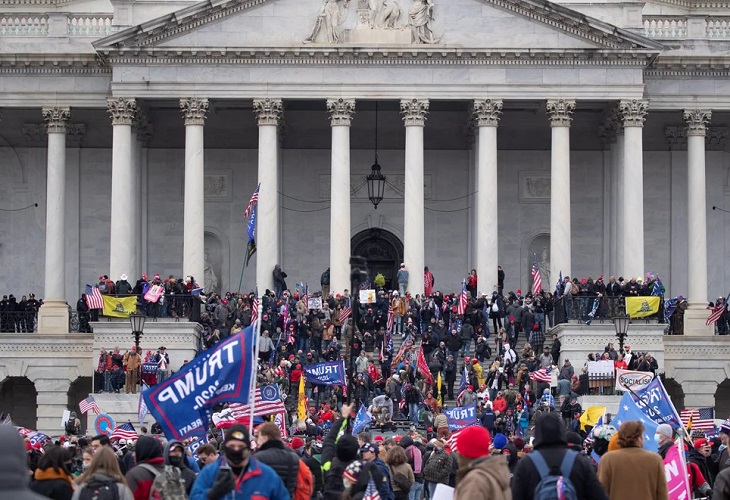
383 251
18 397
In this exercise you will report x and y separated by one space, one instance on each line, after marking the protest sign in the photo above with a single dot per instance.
628 379
328 373
461 416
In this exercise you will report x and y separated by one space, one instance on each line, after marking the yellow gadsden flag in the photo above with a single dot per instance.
591 416
640 307
302 408
119 307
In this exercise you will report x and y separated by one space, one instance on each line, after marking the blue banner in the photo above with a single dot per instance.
361 420
628 410
654 402
193 447
461 416
329 373
182 403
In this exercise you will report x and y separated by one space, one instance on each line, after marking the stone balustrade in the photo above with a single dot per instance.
72 25
683 27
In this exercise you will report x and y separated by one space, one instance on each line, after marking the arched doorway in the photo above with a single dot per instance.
675 391
19 398
383 251
722 400
78 391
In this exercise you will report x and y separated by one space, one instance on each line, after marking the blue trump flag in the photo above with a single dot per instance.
361 420
328 373
654 402
182 403
629 410
461 416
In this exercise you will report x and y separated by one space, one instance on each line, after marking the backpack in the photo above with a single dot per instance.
552 486
71 427
168 485
99 489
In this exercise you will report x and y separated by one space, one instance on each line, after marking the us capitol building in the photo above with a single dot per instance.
590 135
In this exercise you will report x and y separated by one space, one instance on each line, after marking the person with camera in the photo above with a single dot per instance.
237 473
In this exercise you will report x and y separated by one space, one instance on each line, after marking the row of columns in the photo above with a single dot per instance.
126 230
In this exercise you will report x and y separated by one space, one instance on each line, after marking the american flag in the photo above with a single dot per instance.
262 406
93 298
536 279
254 310
371 492
254 199
89 404
124 431
451 442
461 308
701 419
391 318
542 375
345 314
715 314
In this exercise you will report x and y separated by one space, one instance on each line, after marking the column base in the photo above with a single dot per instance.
53 317
695 318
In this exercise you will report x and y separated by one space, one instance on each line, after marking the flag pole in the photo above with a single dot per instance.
254 371
243 270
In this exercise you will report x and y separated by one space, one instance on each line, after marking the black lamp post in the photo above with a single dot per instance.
376 179
621 324
137 319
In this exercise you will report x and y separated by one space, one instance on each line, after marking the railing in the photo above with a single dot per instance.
718 28
27 322
94 25
579 309
168 306
672 28
24 25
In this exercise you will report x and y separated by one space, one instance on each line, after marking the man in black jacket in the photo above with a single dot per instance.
272 452
339 450
551 443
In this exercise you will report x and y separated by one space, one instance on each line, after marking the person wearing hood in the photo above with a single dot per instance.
14 473
237 473
148 453
510 450
415 460
552 445
103 472
339 450
52 478
174 454
479 475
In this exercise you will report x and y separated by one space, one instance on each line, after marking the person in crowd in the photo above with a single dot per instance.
207 454
103 473
15 476
149 464
132 362
238 474
723 460
551 446
631 471
479 474
369 454
401 473
52 478
272 452
174 453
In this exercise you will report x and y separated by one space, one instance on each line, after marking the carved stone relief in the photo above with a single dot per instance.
534 187
217 186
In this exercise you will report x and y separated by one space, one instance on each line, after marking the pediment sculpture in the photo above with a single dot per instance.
378 21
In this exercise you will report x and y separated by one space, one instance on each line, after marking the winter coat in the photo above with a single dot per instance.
283 460
14 467
140 480
52 484
453 343
633 473
259 481
124 492
486 477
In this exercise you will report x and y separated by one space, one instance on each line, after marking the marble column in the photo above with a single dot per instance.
53 316
123 254
695 316
143 130
340 112
633 113
414 113
560 113
268 114
487 113
194 110
619 181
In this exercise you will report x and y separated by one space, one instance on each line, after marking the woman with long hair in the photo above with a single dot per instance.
401 473
104 473
53 478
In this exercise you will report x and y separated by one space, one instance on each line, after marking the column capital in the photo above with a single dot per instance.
341 111
560 112
194 110
487 112
122 110
633 112
697 121
268 111
414 111
57 119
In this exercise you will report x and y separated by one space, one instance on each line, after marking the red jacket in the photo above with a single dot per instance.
140 480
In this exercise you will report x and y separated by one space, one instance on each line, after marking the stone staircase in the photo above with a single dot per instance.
122 408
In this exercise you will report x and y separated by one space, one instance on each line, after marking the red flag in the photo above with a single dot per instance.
423 366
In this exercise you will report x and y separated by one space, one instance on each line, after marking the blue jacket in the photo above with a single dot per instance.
260 482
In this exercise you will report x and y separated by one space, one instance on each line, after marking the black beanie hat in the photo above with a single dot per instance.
347 448
549 429
147 448
238 432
